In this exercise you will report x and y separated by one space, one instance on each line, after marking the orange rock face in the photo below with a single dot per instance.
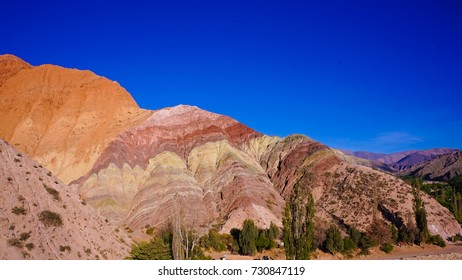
64 118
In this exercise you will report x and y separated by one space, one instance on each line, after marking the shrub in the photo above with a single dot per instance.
334 241
248 238
365 243
19 210
50 219
30 246
150 231
54 193
387 248
263 241
348 245
156 249
273 231
15 242
64 248
24 236
355 235
436 240
216 241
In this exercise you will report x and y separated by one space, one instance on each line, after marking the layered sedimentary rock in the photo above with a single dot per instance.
345 193
73 230
182 161
64 118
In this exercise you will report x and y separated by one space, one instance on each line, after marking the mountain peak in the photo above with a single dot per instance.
10 65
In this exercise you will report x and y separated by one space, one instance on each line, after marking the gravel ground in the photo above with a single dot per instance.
453 256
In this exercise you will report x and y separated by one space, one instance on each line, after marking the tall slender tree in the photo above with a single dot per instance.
420 213
298 234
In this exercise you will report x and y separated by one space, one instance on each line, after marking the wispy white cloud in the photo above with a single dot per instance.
384 142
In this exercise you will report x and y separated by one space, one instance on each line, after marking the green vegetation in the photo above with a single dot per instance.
50 219
448 194
387 248
216 241
156 249
265 239
334 241
298 232
348 246
248 237
172 243
150 231
436 240
420 213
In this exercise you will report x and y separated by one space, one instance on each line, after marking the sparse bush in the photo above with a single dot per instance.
150 231
30 246
19 210
436 240
50 219
87 251
387 248
54 193
15 243
64 248
24 236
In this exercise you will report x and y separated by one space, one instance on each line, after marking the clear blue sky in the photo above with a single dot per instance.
381 76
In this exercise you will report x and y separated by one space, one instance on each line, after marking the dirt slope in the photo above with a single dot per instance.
27 192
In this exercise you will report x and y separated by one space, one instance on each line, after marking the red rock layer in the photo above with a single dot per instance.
179 130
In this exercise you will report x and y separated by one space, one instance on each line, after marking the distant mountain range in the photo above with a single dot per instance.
140 168
432 164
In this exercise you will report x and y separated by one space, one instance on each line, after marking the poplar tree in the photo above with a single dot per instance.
298 233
